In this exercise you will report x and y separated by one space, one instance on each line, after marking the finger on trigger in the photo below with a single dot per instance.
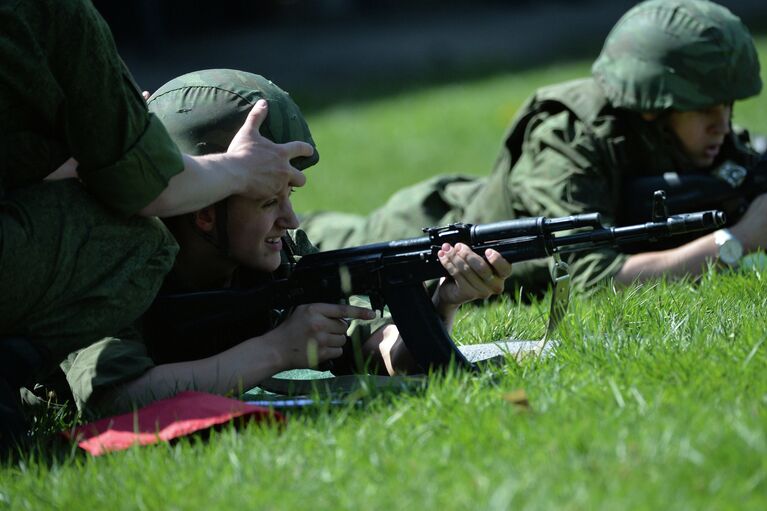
354 312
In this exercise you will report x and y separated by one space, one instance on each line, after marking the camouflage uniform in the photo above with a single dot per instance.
75 264
71 267
202 111
571 145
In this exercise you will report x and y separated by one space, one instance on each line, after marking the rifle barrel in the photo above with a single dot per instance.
675 224
532 226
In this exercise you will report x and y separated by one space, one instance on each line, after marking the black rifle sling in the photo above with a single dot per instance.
421 329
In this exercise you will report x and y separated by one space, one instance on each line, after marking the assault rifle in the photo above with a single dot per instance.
730 188
392 273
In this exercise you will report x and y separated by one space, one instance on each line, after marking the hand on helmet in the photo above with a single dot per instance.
263 164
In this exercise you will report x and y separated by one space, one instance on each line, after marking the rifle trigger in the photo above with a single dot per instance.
377 303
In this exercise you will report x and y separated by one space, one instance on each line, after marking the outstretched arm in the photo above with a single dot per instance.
693 257
688 259
253 166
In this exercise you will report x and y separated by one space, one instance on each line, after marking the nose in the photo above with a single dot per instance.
288 218
720 119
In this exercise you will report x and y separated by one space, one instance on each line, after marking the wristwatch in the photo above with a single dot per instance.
729 248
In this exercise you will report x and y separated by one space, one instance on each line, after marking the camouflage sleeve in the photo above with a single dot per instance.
125 155
91 372
562 171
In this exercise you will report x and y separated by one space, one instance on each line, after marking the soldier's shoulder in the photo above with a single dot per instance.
583 97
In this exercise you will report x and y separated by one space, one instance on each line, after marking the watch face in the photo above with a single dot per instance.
730 251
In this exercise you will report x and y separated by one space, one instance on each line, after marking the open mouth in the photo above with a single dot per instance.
711 151
274 242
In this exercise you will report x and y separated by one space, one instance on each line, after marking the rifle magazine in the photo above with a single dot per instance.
421 328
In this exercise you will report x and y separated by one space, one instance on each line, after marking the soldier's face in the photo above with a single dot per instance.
256 228
701 132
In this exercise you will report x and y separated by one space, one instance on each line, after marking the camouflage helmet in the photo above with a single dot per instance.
203 111
680 54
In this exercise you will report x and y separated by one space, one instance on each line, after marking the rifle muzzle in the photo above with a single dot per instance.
690 222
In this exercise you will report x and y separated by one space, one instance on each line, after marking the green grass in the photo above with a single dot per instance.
369 151
656 398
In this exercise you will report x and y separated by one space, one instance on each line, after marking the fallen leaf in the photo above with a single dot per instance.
517 397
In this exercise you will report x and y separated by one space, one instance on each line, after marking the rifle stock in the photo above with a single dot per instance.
393 273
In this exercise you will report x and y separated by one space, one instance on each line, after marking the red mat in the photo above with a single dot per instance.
165 420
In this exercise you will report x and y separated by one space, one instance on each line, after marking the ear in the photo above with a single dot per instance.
205 219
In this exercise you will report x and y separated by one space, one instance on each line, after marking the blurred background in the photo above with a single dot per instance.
326 52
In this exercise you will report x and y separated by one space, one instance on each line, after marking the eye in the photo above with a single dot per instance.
268 204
